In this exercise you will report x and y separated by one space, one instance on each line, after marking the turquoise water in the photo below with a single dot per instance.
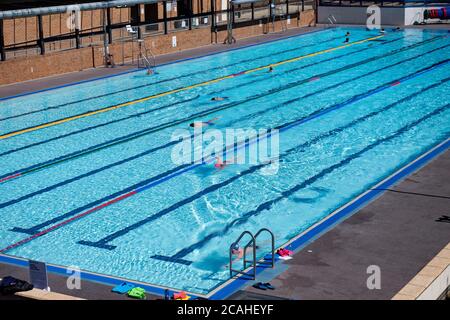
194 215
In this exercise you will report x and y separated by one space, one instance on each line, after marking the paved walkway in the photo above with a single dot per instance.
397 232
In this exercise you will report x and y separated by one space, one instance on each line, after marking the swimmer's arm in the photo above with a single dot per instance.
214 119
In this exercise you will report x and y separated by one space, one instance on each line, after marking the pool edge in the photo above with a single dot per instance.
230 286
159 65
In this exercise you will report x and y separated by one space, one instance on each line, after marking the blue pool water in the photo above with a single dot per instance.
348 118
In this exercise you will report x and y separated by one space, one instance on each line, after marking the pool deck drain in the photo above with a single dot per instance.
400 232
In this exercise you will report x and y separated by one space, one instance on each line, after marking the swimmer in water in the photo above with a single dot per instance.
200 124
347 37
382 31
237 252
150 72
220 164
270 69
218 98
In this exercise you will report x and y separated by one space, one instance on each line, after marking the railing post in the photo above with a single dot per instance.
213 15
287 8
108 25
41 35
190 12
2 43
253 11
165 16
232 12
303 5
77 38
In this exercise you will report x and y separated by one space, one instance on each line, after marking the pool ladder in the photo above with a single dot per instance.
252 262
146 57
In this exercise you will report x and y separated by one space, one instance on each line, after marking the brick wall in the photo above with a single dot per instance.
53 63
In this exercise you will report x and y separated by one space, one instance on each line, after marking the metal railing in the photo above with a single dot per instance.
115 32
382 3
252 244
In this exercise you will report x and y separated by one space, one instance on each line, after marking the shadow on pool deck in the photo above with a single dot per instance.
398 232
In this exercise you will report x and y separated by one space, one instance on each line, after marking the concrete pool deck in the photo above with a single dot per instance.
399 232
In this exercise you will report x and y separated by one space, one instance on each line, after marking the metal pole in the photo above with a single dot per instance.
77 38
190 14
108 15
105 37
229 24
287 7
232 12
2 43
165 16
213 15
253 11
41 35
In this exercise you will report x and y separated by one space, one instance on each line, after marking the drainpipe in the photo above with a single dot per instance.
32 12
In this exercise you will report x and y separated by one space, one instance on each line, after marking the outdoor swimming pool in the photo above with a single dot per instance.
87 177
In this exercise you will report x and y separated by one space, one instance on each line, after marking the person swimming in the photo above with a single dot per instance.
200 124
218 98
382 31
220 164
347 37
270 69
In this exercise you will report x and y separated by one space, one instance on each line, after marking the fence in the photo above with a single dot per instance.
43 34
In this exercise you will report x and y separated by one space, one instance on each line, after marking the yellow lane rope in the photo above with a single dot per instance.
163 94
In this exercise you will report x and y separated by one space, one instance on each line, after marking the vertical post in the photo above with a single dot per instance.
213 15
165 16
77 38
105 39
287 8
232 12
108 25
190 11
2 43
303 5
41 35
253 11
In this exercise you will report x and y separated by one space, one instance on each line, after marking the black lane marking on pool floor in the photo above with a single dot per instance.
175 91
138 134
179 256
163 81
268 76
36 229
253 115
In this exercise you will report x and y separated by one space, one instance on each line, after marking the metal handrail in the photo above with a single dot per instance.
143 54
252 241
272 236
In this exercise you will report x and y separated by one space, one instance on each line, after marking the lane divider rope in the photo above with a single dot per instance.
166 93
204 161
